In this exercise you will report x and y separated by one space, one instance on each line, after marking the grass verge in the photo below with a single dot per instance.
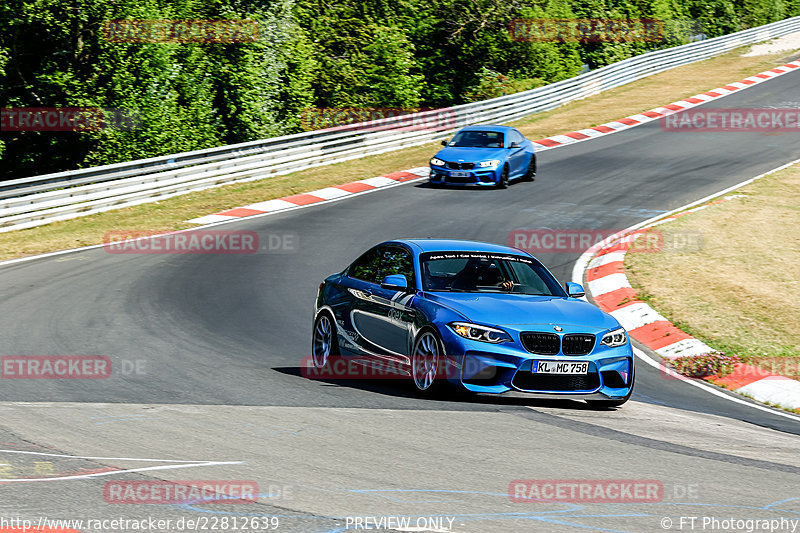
737 291
171 214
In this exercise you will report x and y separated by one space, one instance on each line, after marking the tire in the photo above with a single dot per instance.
503 183
324 343
425 360
605 404
531 174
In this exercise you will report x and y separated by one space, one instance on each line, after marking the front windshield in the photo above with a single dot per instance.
477 139
486 272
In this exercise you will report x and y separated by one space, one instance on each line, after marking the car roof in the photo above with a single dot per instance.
457 245
487 127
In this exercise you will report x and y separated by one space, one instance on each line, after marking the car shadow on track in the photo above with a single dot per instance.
471 188
445 394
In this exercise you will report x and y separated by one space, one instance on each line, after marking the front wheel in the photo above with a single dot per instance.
324 343
607 403
425 360
503 183
614 403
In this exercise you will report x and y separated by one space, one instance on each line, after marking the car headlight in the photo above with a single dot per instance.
492 163
437 162
476 332
615 338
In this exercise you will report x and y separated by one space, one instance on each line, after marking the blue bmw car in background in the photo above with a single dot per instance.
484 155
485 317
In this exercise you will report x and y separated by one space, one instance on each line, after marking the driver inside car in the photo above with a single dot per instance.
481 272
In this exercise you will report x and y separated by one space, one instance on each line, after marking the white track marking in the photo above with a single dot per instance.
417 170
210 219
608 283
378 181
684 348
636 315
211 225
605 259
775 389
329 193
269 205
115 472
579 269
182 464
581 264
716 392
25 452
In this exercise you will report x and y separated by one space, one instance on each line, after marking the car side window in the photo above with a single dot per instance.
367 267
397 260
516 136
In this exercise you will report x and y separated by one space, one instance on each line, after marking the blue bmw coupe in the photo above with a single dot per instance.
484 155
485 317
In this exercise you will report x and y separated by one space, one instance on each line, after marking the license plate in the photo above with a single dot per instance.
460 174
558 367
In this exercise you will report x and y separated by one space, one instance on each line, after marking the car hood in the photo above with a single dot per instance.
471 155
501 309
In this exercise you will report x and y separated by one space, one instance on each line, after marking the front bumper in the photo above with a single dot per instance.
498 368
478 176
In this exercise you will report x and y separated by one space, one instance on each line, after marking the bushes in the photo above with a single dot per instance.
187 96
312 53
710 364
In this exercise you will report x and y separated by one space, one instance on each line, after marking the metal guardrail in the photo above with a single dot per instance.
37 200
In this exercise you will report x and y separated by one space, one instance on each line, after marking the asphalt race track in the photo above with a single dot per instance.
206 352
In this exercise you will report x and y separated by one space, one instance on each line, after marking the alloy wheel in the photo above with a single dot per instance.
323 341
425 360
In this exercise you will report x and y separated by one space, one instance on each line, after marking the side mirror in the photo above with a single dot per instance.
444 143
574 290
515 144
395 282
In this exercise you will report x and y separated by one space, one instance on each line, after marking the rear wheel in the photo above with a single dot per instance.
503 183
531 174
324 343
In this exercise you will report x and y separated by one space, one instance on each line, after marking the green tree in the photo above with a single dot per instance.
187 96
310 53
